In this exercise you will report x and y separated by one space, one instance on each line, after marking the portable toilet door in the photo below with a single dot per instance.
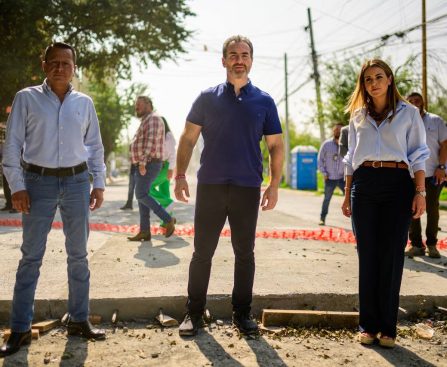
304 167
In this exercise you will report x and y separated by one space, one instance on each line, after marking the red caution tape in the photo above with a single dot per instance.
338 235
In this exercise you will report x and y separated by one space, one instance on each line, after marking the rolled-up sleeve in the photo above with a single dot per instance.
95 149
352 143
170 149
417 149
15 138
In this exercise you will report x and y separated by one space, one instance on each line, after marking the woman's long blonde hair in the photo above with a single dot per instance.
360 97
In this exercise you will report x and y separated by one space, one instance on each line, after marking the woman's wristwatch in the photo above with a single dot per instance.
421 191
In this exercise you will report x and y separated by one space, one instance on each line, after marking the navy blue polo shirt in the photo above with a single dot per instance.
232 128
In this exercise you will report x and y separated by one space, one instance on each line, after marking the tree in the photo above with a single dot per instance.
438 99
114 111
107 34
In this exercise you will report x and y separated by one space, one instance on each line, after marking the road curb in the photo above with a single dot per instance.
146 308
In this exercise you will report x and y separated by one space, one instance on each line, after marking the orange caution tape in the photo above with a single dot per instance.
337 235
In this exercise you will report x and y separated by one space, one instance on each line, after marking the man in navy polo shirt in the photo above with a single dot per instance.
232 117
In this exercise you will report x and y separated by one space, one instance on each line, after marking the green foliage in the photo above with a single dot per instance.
437 102
23 36
339 83
406 77
107 34
114 112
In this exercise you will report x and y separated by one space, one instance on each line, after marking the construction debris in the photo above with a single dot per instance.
115 316
165 320
7 334
46 325
424 331
334 319
95 319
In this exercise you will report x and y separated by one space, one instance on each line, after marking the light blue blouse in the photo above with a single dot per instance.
401 140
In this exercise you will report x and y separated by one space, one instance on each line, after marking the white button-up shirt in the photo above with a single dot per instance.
401 140
436 132
52 134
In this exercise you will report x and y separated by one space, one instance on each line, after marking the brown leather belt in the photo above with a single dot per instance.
58 172
385 164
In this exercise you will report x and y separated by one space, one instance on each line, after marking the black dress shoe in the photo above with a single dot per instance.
244 322
85 329
15 341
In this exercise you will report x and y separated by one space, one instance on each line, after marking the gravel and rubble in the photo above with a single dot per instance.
144 343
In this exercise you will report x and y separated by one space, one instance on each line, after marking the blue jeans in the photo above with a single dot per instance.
130 193
329 187
72 195
146 203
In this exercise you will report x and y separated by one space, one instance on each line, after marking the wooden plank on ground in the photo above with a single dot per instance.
46 325
335 319
95 319
34 333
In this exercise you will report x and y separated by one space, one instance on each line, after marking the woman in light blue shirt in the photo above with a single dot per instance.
386 148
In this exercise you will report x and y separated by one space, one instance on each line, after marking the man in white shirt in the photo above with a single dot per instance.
436 132
58 130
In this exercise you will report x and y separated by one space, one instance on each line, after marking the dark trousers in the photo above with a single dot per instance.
432 201
130 193
7 192
381 200
214 204
329 187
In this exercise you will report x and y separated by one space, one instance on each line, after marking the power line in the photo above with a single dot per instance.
384 38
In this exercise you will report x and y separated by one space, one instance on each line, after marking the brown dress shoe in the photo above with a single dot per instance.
14 342
141 236
85 329
170 227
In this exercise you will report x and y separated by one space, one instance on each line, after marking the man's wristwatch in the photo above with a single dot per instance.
441 166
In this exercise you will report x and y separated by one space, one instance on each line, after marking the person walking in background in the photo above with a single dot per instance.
131 190
160 189
58 129
6 190
147 152
386 143
343 141
436 133
232 117
331 167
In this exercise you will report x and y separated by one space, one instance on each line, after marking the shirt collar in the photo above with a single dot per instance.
46 87
245 89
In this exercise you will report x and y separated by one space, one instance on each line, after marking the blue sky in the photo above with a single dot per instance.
277 27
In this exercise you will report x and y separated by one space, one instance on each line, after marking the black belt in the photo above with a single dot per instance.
58 172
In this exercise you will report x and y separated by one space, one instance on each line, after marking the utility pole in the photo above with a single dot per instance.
424 56
316 78
286 123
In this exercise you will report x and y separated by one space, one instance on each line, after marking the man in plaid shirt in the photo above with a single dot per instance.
147 155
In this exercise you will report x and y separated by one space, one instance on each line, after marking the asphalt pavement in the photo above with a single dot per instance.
140 278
